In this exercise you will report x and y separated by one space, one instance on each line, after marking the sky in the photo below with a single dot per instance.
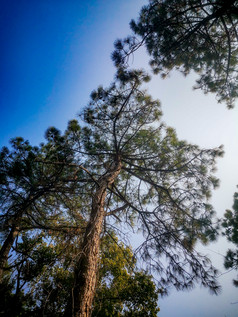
55 52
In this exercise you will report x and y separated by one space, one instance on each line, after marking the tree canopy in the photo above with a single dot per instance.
33 194
230 225
164 183
189 35
47 271
120 169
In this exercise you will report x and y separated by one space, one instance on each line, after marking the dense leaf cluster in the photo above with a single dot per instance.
230 225
189 35
47 275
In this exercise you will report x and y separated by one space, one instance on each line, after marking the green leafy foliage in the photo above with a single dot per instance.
189 35
122 289
161 191
230 225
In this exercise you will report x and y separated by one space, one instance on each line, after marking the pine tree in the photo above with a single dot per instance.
34 195
120 169
142 176
230 225
189 35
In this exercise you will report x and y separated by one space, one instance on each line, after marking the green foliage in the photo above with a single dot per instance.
189 35
13 302
36 197
230 225
161 192
122 289
164 183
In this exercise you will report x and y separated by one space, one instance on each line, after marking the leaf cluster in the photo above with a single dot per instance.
189 35
230 226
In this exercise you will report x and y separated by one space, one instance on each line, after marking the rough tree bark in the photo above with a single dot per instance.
87 266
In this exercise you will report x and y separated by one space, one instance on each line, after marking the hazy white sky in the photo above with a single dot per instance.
55 53
199 119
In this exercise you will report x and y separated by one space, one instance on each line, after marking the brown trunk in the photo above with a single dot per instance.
5 249
87 266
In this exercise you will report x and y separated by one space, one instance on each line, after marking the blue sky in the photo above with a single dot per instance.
54 53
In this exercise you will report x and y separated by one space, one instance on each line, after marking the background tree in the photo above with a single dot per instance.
122 289
34 200
189 35
230 225
35 195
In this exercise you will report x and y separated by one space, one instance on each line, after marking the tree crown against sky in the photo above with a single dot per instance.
230 225
161 185
30 190
189 35
164 182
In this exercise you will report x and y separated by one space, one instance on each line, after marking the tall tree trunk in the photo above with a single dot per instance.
87 266
5 249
